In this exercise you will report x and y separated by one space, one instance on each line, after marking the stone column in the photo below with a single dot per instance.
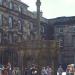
38 4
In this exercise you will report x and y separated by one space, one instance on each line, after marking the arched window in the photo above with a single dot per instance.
20 9
19 25
10 5
10 36
0 20
10 22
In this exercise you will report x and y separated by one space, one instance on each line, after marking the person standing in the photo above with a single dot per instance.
49 70
14 71
5 70
33 70
60 70
43 71
25 71
1 66
9 68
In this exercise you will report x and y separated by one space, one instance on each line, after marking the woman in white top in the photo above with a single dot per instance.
49 70
60 70
43 71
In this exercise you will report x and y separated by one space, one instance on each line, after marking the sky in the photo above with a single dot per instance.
53 8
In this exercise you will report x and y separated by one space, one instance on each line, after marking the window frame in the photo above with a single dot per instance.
1 20
20 25
10 4
20 9
61 31
10 37
11 23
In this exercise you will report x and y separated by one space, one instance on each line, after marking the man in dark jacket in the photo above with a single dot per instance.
33 70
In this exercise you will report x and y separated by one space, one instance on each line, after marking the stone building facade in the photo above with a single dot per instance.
19 35
19 42
64 33
18 22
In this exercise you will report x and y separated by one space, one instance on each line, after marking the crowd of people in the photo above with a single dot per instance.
47 70
31 70
7 70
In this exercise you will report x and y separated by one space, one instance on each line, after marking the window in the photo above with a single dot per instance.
0 37
60 40
31 26
5 38
61 30
73 28
60 43
42 29
10 5
1 1
73 40
20 9
19 25
15 37
16 7
10 22
19 38
10 38
0 20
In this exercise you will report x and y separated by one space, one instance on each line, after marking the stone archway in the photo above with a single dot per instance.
9 55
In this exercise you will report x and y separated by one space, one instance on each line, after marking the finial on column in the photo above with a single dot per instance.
38 3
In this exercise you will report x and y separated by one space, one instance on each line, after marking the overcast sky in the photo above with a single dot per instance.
54 8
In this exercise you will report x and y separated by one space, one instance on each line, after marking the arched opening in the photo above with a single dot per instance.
28 60
9 55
